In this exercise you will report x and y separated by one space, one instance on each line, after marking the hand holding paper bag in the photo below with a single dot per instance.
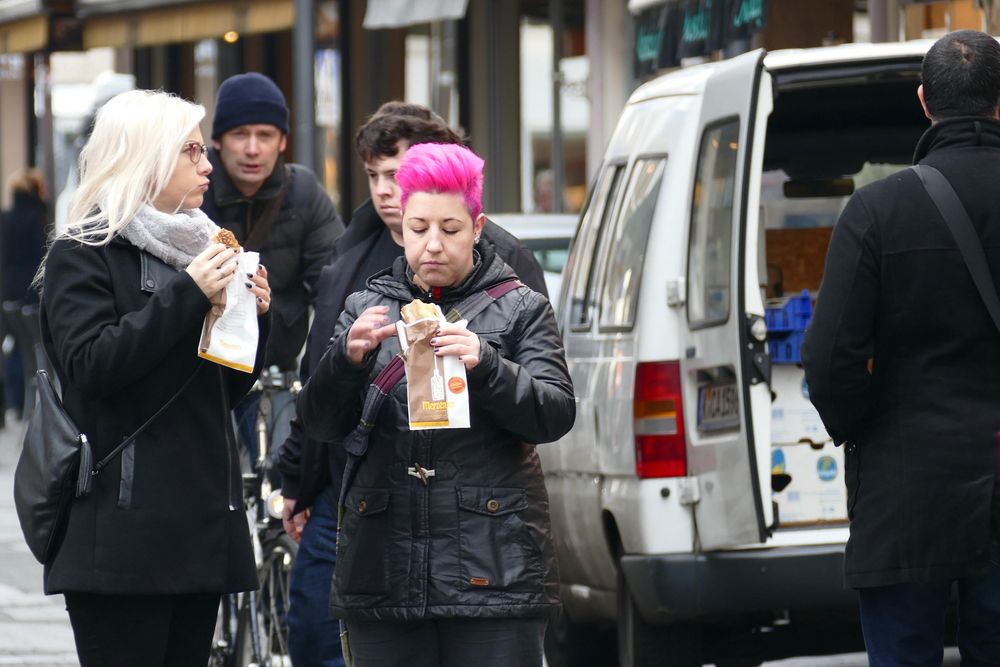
436 386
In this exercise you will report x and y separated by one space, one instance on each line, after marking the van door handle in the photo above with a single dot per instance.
676 292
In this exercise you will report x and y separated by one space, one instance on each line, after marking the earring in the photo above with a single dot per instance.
476 239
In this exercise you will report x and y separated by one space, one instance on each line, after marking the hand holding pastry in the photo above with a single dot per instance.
212 269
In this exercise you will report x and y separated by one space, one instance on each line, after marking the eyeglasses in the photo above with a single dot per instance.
195 151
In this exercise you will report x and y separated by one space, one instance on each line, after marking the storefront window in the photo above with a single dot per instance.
328 75
553 150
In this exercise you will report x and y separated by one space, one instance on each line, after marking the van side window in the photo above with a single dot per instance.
709 252
627 245
581 265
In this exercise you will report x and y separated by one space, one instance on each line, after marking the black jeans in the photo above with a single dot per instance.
451 642
147 630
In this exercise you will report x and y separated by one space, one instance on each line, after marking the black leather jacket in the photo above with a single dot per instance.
308 466
475 541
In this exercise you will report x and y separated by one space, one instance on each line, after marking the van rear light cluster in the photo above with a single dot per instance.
659 421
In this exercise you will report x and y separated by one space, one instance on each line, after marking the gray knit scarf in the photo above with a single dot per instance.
176 238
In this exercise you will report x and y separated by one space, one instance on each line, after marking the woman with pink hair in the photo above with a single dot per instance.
445 556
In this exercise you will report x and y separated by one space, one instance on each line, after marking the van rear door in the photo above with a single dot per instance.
724 366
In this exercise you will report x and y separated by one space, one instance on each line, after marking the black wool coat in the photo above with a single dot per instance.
294 246
22 244
475 541
921 428
308 466
121 329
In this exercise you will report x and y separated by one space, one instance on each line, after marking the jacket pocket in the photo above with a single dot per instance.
362 546
127 482
852 470
496 548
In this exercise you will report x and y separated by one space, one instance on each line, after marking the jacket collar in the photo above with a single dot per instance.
488 270
962 132
224 190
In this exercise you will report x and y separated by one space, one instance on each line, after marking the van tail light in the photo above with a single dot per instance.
659 421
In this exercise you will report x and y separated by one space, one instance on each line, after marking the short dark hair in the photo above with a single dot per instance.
399 121
961 75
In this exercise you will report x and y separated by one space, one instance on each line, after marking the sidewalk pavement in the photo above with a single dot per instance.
34 628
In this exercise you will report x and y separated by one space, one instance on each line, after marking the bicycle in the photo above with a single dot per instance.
251 630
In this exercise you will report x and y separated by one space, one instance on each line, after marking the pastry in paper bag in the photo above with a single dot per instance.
229 334
437 391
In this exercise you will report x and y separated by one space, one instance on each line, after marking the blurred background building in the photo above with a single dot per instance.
537 84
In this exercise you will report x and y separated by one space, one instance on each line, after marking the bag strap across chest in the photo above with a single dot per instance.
957 218
356 442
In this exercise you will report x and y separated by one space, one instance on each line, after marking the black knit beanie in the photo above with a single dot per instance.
249 99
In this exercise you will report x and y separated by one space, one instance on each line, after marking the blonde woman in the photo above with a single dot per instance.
148 553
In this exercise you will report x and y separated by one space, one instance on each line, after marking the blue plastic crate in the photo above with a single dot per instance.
785 348
793 315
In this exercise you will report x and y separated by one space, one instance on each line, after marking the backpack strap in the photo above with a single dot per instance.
356 442
957 218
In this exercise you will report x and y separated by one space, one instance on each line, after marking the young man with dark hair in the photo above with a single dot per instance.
311 470
901 360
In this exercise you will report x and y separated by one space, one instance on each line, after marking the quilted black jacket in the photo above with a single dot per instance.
475 541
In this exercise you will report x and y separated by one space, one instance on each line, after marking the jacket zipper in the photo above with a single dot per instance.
229 443
425 442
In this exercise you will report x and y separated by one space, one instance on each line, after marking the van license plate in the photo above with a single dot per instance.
718 407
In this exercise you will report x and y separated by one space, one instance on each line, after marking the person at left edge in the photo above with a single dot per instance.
273 207
125 289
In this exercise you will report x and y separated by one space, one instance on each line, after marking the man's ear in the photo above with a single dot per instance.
923 102
283 144
217 145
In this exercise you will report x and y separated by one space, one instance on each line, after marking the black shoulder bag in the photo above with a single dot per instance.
56 465
957 218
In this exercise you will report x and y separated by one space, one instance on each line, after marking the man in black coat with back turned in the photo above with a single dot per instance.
311 470
903 363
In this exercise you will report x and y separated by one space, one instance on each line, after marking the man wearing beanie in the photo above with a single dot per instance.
275 208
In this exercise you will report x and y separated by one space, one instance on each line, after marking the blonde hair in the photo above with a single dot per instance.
128 160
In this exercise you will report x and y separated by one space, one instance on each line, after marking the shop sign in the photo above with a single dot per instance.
670 31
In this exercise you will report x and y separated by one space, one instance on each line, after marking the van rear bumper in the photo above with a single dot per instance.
802 577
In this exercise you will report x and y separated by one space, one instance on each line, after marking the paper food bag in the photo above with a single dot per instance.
229 335
436 387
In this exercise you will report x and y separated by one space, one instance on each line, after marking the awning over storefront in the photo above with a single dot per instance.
176 21
401 13
24 35
38 25
90 7
19 9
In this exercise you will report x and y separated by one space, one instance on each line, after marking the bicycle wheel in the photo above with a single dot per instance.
223 652
262 636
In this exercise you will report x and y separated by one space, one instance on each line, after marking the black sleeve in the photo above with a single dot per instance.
534 384
528 270
290 460
324 227
329 404
840 338
100 351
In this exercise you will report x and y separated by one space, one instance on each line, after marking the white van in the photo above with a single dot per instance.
698 503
